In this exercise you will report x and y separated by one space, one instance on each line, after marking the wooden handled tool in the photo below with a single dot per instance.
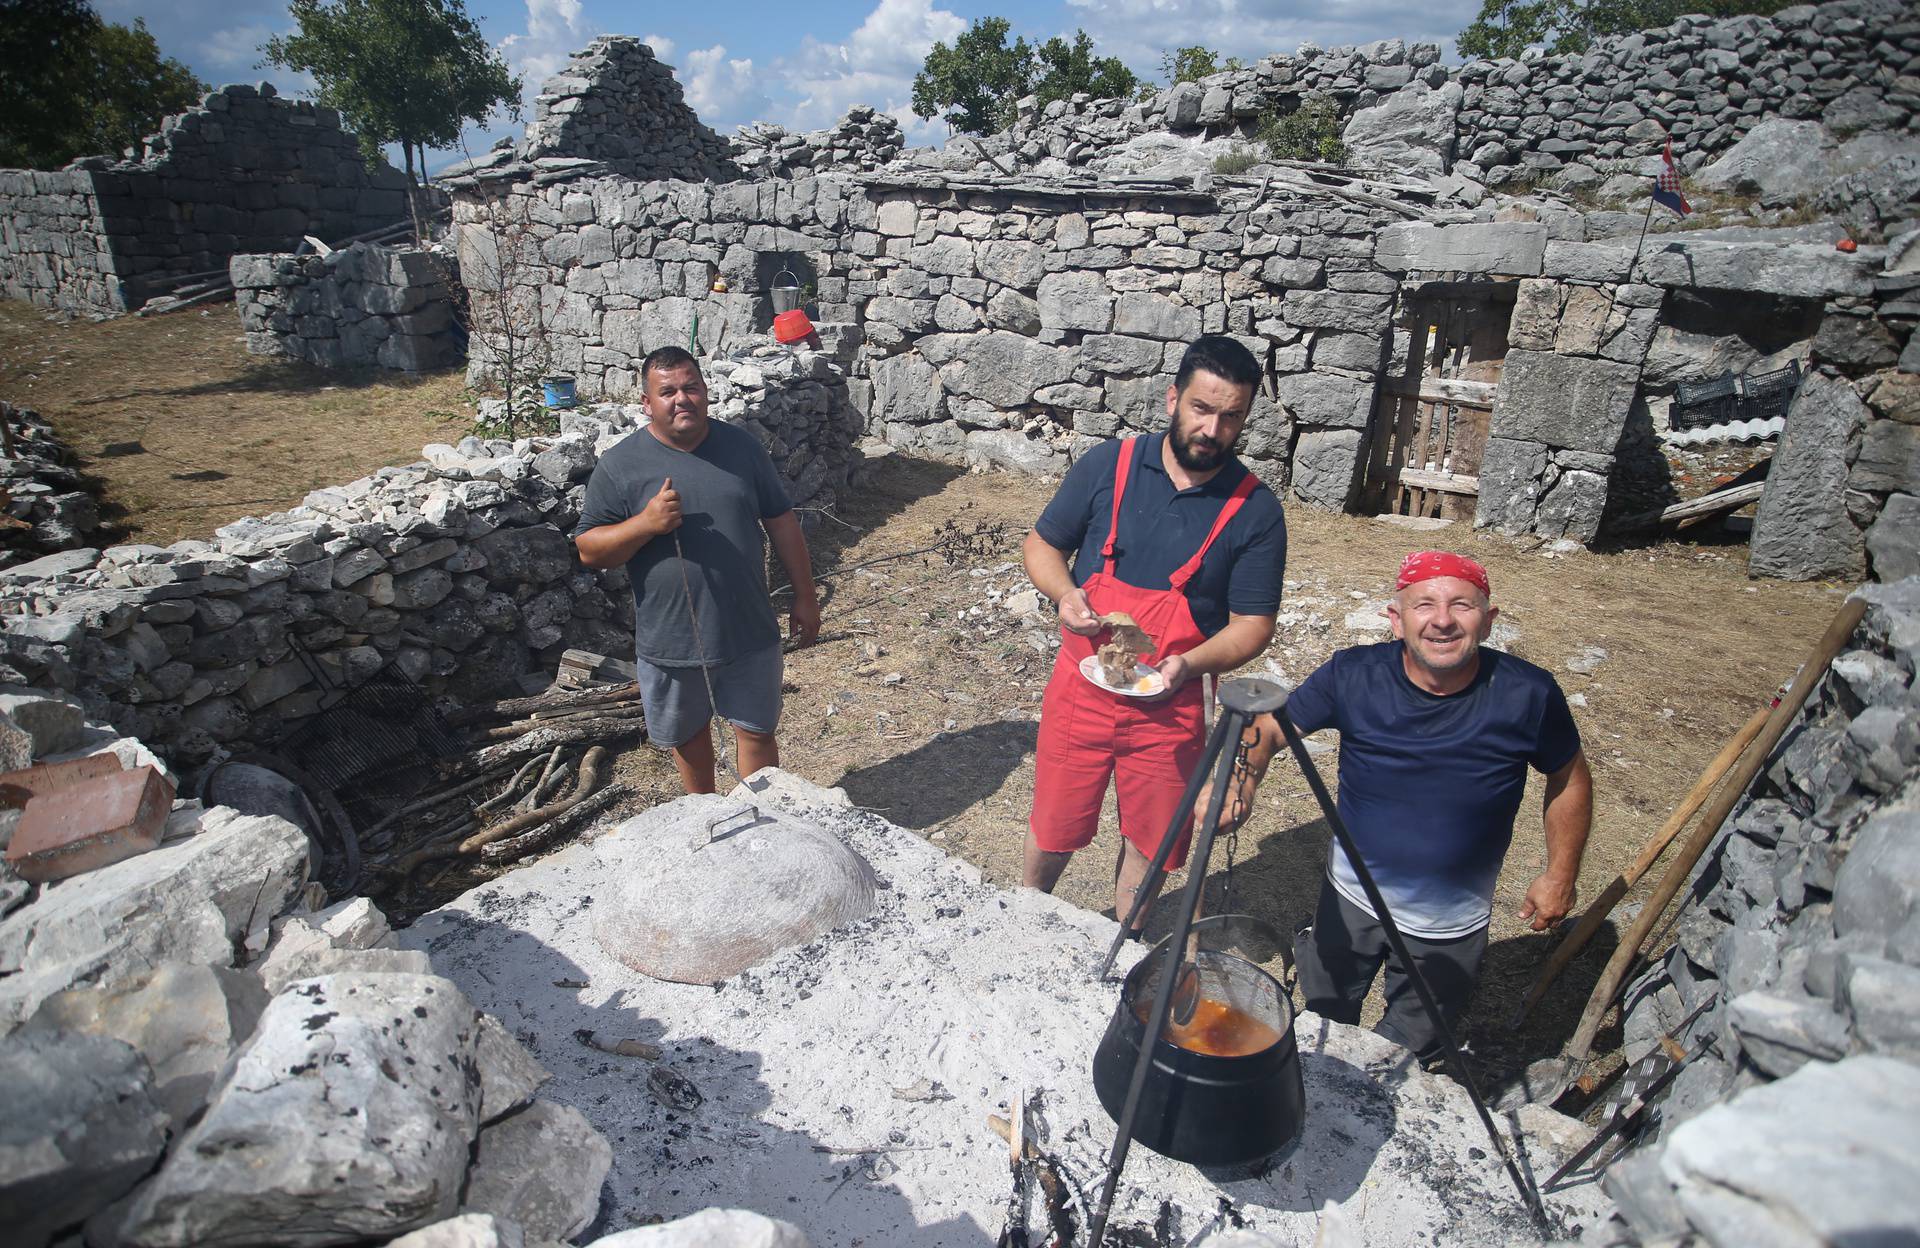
1613 978
1609 897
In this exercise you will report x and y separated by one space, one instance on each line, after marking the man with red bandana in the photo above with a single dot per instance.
1436 736
1174 531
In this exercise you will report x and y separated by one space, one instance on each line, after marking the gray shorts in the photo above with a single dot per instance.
675 698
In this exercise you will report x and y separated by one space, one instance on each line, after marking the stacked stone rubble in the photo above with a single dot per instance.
244 171
1801 936
44 491
617 104
360 306
1705 82
863 140
195 1051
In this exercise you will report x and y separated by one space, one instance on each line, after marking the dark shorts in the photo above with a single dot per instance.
676 703
1346 947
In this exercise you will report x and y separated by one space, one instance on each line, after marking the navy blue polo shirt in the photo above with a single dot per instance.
1161 527
1430 783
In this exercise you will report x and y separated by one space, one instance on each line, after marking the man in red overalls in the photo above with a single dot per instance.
1174 531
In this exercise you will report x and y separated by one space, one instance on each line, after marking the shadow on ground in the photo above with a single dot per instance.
282 377
943 778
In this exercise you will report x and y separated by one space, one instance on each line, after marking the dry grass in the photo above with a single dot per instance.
185 431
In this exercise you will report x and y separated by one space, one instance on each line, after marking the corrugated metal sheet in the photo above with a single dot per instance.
1732 431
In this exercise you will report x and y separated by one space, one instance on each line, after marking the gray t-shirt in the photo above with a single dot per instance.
727 486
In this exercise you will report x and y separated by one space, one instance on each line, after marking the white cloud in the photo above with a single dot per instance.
724 90
234 50
874 66
554 33
662 46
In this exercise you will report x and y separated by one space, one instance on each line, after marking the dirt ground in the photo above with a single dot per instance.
922 696
184 431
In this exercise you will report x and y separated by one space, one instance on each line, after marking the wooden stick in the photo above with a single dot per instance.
513 708
550 783
543 739
592 776
506 796
1610 896
556 828
1613 978
608 714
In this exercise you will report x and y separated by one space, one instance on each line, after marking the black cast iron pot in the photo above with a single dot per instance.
1197 1108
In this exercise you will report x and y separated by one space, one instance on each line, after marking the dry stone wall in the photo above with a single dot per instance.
1011 324
245 171
457 570
360 306
863 140
1850 65
1801 938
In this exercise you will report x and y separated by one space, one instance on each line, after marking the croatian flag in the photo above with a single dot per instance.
1666 187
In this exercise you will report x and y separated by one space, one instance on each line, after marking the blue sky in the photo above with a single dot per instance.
802 63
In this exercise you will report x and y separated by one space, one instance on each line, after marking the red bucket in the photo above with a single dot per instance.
792 326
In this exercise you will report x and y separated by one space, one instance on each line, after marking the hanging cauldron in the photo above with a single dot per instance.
1229 1092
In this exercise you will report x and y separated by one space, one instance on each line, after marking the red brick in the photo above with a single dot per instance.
19 787
87 825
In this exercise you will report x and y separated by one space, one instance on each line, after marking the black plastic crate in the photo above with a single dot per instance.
1699 404
1768 395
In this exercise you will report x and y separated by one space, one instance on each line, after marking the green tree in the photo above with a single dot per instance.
411 72
1509 27
77 86
1191 64
974 85
1068 69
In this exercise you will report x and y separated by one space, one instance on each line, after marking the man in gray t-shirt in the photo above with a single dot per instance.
682 503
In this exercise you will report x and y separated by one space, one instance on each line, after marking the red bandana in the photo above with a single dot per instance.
1424 565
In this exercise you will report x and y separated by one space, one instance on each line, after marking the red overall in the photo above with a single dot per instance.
1088 734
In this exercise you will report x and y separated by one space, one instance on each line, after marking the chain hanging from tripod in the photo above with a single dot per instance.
1233 832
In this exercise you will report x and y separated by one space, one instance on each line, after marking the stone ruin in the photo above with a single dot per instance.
990 308
863 140
356 307
245 171
1705 82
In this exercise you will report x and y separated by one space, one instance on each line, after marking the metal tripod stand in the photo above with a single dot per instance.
1240 701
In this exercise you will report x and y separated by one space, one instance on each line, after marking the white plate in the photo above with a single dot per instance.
1155 682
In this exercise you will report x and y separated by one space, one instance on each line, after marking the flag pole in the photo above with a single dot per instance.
1642 242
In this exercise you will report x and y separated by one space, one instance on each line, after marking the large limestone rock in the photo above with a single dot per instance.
1819 1157
540 1170
1801 530
1563 401
711 1228
184 1020
79 1129
706 888
217 877
1411 131
469 1230
349 1116
1778 159
1002 368
1515 248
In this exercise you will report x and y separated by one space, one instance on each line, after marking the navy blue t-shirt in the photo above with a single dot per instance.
1161 527
1429 784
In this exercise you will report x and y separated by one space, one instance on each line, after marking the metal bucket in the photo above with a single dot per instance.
1205 1108
786 295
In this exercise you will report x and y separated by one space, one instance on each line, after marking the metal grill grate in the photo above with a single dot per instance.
384 725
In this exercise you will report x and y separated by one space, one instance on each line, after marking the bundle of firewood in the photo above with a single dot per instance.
540 772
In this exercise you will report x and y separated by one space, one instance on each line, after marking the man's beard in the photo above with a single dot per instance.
1202 456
